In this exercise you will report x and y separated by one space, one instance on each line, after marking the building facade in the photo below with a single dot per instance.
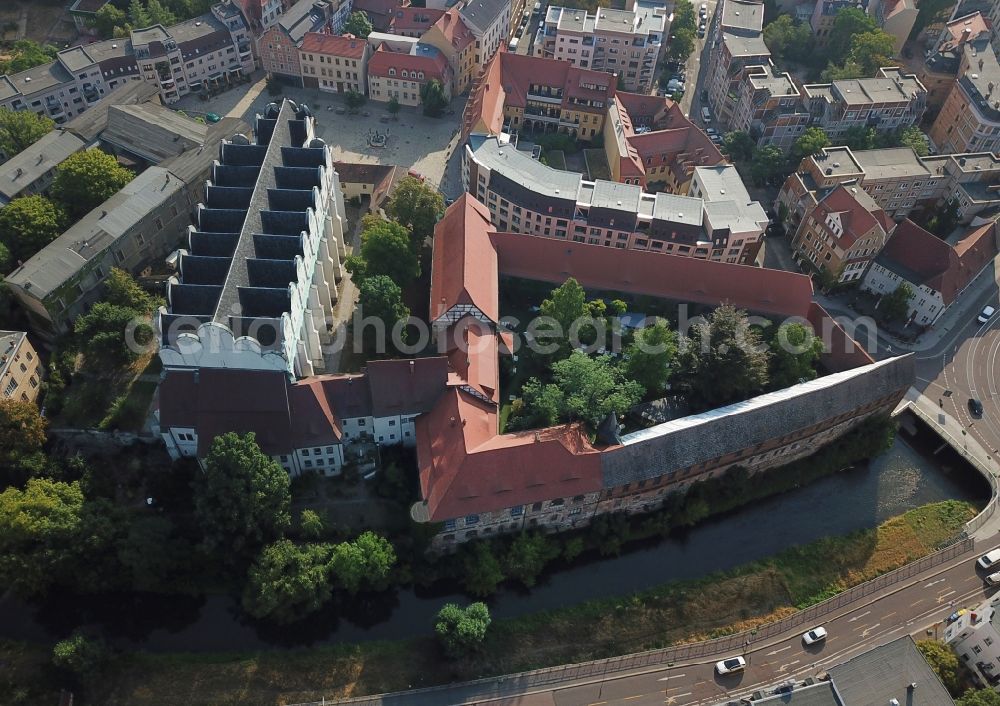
455 40
891 101
278 46
334 63
975 637
403 74
737 43
21 371
969 120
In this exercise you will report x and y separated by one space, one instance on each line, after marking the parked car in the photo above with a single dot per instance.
537 8
988 559
993 579
815 635
213 117
711 131
704 9
975 407
731 665
986 314
513 45
706 115
704 95
701 32
716 140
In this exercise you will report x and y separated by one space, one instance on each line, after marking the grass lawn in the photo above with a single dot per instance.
597 164
556 159
673 613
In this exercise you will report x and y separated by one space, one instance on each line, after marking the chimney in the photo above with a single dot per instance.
538 437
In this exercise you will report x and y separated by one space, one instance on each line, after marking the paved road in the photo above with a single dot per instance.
695 77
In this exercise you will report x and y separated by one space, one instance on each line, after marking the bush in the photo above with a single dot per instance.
81 656
462 630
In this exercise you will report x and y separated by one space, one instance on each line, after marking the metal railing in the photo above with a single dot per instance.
736 643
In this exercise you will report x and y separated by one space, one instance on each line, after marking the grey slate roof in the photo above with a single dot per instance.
885 673
25 167
302 17
152 132
483 13
699 438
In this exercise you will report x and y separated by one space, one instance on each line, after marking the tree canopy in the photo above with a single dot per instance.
978 697
567 305
358 25
811 141
767 163
895 306
682 31
651 356
913 137
288 582
849 22
739 145
385 250
417 205
22 429
381 298
462 630
87 179
433 98
30 223
19 129
795 350
788 40
364 563
943 661
241 499
354 100
26 54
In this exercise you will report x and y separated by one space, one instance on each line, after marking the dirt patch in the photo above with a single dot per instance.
37 20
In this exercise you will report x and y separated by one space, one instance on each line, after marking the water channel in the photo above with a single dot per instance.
906 476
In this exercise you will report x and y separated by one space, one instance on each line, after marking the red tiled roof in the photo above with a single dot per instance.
379 11
855 218
923 258
347 45
454 29
473 355
519 72
410 19
316 423
974 22
434 65
486 101
673 277
466 467
406 386
464 264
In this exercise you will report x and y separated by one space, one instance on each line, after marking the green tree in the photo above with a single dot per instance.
594 388
528 557
288 582
795 350
872 50
913 137
462 630
768 162
137 15
30 223
87 179
978 697
22 430
241 499
617 307
85 658
310 524
682 42
724 359
651 357
19 129
739 146
567 305
358 25
788 40
896 305
943 660
482 572
393 106
848 70
542 405
39 529
363 564
858 138
811 141
121 289
159 15
433 98
101 335
849 22
26 54
419 206
354 100
944 219
928 12
106 19
381 298
153 554
385 250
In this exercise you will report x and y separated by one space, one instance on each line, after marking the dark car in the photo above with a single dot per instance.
704 95
975 407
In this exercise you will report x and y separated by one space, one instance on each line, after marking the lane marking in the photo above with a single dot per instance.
774 652
858 617
928 585
674 676
916 602
888 615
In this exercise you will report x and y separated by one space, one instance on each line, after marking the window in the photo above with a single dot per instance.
517 511
449 524
305 452
11 386
471 520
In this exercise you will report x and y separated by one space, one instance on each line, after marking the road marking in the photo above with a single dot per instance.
774 652
928 585
629 698
915 602
940 599
598 703
888 616
674 676
858 617
864 633
784 667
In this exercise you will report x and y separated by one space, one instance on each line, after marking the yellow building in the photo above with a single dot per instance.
20 369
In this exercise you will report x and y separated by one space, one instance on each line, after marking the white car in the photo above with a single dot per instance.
987 312
993 579
815 635
731 665
989 559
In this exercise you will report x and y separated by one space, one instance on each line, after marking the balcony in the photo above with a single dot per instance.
555 100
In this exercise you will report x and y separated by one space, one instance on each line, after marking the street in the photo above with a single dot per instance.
691 100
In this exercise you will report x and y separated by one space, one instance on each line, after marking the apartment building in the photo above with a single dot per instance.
841 234
896 18
278 46
969 120
456 41
737 43
937 271
940 67
402 74
626 43
718 221
824 15
891 101
413 21
191 56
262 14
769 107
21 372
490 23
32 170
975 637
334 63
899 181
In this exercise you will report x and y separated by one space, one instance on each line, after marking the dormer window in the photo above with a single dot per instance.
392 72
421 75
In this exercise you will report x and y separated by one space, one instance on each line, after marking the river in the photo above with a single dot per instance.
904 477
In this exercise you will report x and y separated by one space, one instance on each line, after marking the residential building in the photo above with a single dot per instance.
841 234
191 56
938 271
32 171
940 66
769 107
261 14
413 21
334 63
523 195
455 40
147 134
975 637
403 74
21 371
257 276
737 42
626 43
897 179
278 46
824 16
370 184
490 22
380 12
969 120
896 18
134 228
891 101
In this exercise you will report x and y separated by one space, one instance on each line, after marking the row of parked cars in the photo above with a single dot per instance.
738 664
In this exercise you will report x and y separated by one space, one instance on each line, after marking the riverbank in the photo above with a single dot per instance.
675 612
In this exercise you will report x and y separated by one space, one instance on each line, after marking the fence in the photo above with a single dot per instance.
730 644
